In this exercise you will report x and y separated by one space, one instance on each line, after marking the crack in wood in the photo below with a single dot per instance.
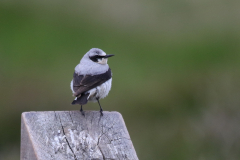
89 137
66 137
101 152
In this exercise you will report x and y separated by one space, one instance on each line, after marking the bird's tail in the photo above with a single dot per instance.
81 100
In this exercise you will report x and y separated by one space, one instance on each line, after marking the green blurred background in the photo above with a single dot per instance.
176 78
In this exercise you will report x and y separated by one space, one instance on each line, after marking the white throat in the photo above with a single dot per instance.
103 61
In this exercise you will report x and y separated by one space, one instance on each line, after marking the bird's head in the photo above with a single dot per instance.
98 56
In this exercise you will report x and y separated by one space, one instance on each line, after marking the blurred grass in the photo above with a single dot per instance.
175 73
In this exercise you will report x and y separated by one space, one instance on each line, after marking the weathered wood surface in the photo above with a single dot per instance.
68 135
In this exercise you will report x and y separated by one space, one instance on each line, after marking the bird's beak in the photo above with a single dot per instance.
108 55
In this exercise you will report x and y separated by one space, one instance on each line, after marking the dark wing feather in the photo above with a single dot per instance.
82 83
81 100
77 81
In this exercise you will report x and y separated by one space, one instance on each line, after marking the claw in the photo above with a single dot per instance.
83 113
101 112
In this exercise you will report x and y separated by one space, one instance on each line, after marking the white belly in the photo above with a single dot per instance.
100 91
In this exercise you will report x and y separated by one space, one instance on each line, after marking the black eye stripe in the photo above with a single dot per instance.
95 58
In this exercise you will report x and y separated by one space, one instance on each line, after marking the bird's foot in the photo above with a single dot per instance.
82 112
101 112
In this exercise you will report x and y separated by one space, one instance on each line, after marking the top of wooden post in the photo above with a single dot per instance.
61 135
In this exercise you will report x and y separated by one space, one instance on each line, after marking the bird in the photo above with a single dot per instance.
92 78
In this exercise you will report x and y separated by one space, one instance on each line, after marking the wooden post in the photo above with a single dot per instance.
68 135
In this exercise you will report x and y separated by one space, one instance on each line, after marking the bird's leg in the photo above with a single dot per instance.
101 110
81 110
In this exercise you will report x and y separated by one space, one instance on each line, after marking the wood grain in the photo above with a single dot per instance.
68 135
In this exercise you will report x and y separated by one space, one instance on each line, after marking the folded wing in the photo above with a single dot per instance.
82 84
